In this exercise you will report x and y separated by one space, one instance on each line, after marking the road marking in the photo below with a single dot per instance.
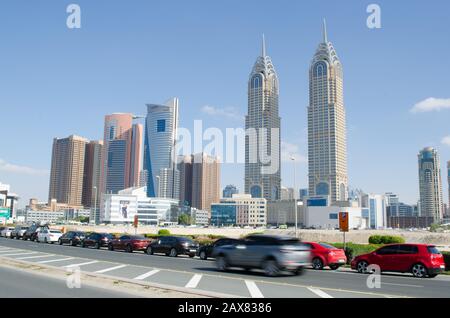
81 264
253 289
31 257
111 269
144 276
403 285
319 292
10 250
18 254
193 283
56 260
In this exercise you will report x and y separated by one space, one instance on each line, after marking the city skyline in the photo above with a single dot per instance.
367 157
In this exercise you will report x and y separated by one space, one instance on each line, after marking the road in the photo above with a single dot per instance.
201 275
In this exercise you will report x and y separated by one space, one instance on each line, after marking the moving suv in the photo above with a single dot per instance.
173 246
273 254
419 259
206 251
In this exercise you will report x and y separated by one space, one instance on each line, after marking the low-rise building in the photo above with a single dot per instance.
240 210
199 217
327 217
282 212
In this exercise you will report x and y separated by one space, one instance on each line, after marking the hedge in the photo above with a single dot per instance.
163 232
446 260
386 239
352 250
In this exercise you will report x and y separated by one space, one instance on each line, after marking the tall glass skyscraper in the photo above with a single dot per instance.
430 184
160 137
327 145
261 180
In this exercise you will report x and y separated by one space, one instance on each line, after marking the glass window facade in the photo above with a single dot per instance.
223 215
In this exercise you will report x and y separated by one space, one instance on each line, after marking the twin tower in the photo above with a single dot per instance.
327 145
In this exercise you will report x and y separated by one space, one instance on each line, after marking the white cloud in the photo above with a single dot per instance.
446 141
431 104
228 112
9 167
289 151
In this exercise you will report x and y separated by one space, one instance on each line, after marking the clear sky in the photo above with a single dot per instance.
55 82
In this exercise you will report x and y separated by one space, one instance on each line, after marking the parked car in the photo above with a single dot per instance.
129 243
6 232
205 251
18 231
32 231
73 238
323 255
173 246
48 236
273 254
419 259
97 240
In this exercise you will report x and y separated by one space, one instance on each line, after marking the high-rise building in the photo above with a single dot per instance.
448 178
262 123
229 191
327 149
303 194
67 170
287 194
121 156
159 161
205 181
430 184
92 173
185 169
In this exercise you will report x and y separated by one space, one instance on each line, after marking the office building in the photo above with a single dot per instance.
184 167
229 191
287 194
374 209
240 210
205 181
92 173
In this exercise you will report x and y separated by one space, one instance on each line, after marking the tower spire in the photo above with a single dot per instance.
263 45
325 35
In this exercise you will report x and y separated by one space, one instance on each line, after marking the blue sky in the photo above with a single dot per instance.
55 82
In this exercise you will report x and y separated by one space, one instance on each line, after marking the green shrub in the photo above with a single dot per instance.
352 250
164 232
375 239
446 260
386 239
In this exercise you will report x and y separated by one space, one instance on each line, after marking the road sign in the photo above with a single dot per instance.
136 222
343 221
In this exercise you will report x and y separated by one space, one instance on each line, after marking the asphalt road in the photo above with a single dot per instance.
195 273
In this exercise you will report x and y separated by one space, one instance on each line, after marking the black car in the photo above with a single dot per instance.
97 240
18 232
173 246
32 231
205 251
72 238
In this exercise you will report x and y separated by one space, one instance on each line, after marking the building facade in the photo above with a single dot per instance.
67 170
430 184
205 181
159 161
327 144
184 167
375 210
287 194
240 210
92 173
262 123
229 191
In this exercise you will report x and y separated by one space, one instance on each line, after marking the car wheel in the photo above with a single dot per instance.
173 253
83 245
110 247
191 255
419 270
129 249
271 268
221 263
317 264
60 242
203 255
97 245
334 267
45 241
149 250
299 271
362 267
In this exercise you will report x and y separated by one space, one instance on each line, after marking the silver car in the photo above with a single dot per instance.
273 254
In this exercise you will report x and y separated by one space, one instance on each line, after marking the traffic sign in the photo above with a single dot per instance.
343 221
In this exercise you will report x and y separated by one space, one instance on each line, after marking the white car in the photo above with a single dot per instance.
48 236
6 232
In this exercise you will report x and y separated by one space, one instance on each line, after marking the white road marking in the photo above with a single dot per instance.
253 289
10 250
81 264
56 260
146 275
111 269
195 280
403 285
31 257
319 292
18 254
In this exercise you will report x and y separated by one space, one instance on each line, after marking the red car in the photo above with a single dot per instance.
129 243
419 259
326 255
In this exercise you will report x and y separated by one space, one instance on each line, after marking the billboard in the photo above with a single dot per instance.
5 213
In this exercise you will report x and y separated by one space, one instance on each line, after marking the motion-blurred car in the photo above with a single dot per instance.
19 231
323 255
72 238
97 240
206 251
273 254
129 243
32 232
173 246
48 236
419 259
6 232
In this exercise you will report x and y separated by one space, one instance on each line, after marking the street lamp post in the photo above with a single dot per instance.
295 201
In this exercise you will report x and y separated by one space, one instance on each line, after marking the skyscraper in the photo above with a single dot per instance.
262 176
92 173
159 161
327 145
205 181
448 178
66 177
185 169
229 191
430 184
136 155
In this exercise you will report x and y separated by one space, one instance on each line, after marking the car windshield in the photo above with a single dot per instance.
433 250
331 247
186 240
137 237
56 232
288 242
